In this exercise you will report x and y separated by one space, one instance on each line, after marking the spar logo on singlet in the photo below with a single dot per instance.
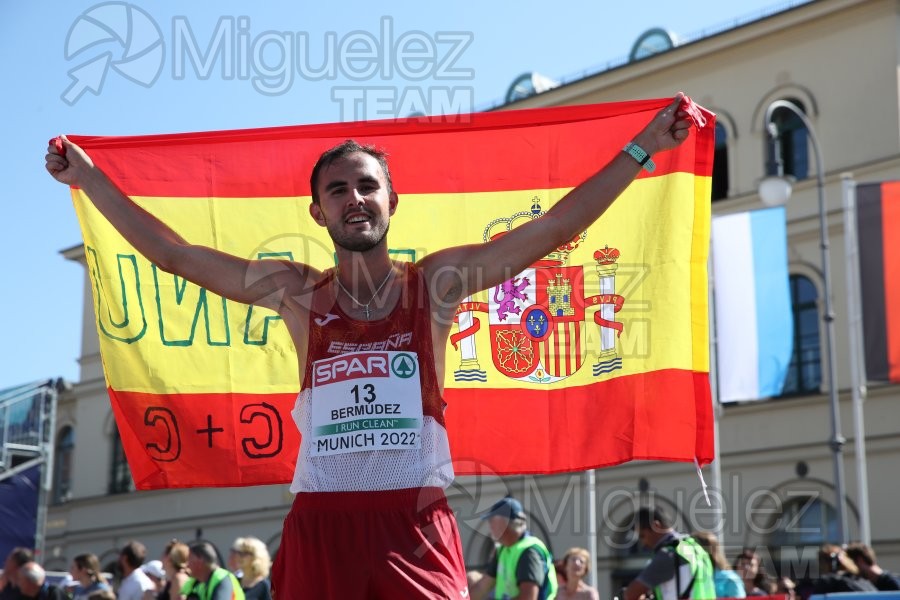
363 365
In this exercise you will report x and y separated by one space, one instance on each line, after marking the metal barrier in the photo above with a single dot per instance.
27 427
25 432
857 596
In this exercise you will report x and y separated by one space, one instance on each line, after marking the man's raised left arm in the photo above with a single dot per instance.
457 272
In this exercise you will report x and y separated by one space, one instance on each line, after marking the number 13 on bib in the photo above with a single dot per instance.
366 401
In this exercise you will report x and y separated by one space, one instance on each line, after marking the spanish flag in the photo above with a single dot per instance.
595 355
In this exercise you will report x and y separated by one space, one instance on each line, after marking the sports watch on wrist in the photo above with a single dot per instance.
640 155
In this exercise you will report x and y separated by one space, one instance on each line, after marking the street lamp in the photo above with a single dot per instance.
775 190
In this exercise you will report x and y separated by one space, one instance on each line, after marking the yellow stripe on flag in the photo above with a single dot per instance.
202 343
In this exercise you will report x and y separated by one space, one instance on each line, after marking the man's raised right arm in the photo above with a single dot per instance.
261 282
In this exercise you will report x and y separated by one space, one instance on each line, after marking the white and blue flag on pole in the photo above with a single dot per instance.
754 322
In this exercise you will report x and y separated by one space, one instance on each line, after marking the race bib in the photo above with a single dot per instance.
366 401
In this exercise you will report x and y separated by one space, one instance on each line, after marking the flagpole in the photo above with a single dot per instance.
857 353
592 525
781 188
714 392
49 399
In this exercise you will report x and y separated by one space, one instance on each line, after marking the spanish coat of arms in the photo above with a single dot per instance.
537 319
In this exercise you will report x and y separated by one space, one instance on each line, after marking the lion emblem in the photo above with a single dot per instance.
507 293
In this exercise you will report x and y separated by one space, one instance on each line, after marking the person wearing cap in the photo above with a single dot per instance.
154 570
522 566
680 567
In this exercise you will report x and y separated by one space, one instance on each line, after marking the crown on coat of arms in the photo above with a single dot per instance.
503 225
606 256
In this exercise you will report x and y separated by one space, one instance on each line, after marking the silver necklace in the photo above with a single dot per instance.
365 307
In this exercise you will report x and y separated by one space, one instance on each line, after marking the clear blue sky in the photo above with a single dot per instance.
148 83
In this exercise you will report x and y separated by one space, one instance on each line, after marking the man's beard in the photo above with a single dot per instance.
359 242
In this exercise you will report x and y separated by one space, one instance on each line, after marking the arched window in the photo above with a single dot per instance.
720 164
805 371
792 141
119 475
804 521
62 464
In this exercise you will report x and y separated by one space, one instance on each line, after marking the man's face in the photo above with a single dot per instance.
193 562
28 588
498 526
354 203
199 568
644 536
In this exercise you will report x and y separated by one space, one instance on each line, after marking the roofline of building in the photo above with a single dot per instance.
796 12
73 253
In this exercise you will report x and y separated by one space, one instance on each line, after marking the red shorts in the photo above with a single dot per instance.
349 545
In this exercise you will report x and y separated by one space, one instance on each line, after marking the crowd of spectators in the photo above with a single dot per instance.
196 570
839 569
184 571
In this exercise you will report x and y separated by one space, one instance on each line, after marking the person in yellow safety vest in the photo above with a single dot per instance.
209 581
522 567
680 567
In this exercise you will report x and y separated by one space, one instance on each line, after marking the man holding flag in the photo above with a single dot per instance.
362 330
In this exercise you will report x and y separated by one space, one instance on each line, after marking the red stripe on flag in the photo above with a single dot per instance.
460 153
207 440
703 411
890 223
568 347
556 336
662 415
172 440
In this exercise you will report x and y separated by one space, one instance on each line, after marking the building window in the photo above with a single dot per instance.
720 164
806 521
792 142
62 465
805 371
120 475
